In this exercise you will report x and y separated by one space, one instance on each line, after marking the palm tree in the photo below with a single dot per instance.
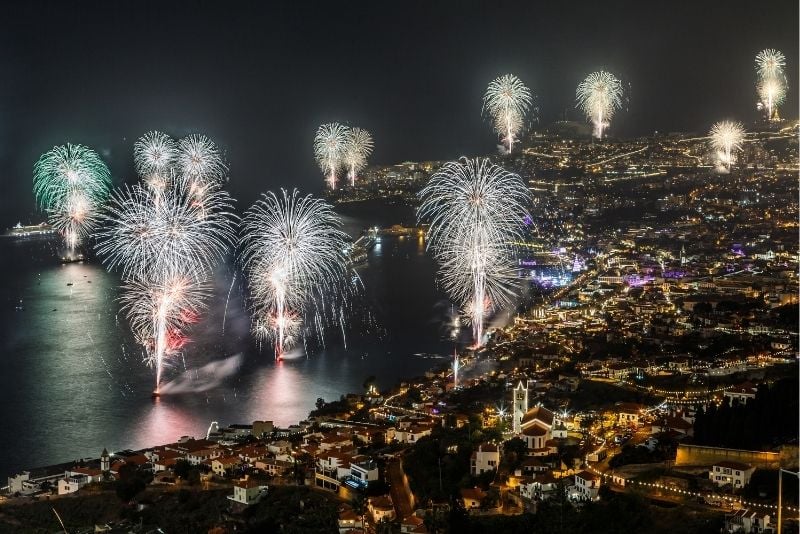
359 505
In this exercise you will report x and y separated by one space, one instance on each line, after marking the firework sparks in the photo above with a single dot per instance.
475 210
166 240
771 80
356 152
293 257
726 138
599 96
154 154
507 100
70 183
330 145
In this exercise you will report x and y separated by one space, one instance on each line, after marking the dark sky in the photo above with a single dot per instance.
259 77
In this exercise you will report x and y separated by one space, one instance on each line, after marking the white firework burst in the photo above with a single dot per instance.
726 138
771 80
357 151
330 145
293 256
154 154
476 211
599 96
507 100
200 161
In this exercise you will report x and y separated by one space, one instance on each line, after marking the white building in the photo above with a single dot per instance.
743 393
746 522
381 508
734 473
485 458
246 492
72 483
587 486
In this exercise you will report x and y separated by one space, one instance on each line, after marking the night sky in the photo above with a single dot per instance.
259 77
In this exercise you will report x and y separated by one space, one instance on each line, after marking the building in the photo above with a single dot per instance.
629 413
224 465
472 497
485 458
537 430
734 473
746 522
72 483
587 486
520 406
743 393
246 492
381 508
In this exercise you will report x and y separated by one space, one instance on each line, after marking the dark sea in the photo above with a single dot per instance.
73 381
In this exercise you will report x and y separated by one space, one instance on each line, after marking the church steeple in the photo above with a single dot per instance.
105 461
520 406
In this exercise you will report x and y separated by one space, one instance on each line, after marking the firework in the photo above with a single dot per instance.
726 138
476 210
771 80
152 235
70 182
599 96
160 311
165 242
199 160
293 256
330 145
507 100
154 155
356 152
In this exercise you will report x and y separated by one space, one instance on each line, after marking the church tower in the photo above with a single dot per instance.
520 406
105 461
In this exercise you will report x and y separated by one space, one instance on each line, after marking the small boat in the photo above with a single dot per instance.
69 284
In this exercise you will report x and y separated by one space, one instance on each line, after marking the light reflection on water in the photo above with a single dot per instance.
74 382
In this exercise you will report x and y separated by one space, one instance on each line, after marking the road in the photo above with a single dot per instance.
399 489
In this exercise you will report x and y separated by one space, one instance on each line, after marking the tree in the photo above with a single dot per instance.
132 481
320 403
359 507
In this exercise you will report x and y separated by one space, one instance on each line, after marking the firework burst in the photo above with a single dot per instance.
357 150
293 256
166 241
71 182
476 210
330 146
726 138
154 155
771 80
599 96
507 100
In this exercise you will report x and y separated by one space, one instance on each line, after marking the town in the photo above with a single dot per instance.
648 376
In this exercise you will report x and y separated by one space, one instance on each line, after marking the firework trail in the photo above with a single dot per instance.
726 138
166 241
330 145
70 183
507 100
357 149
476 211
293 258
771 80
599 96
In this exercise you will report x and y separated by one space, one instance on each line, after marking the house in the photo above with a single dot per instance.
72 483
381 508
485 458
745 522
413 525
273 467
223 465
472 497
677 424
540 487
348 520
629 413
246 492
363 470
742 393
199 456
734 473
587 486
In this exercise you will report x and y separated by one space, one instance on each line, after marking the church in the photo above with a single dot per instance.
538 426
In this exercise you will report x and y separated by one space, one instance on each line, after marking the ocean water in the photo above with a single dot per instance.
73 381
